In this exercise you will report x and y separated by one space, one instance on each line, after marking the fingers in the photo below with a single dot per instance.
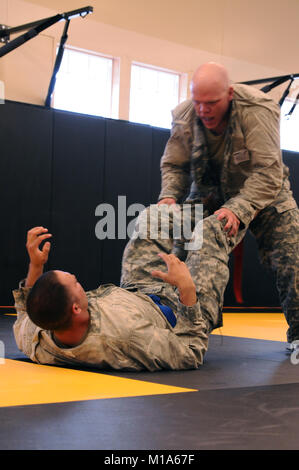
220 215
169 258
234 229
159 274
168 200
46 248
35 237
231 227
38 234
172 263
232 222
36 231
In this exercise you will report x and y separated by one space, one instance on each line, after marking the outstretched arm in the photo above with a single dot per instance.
24 330
178 275
38 257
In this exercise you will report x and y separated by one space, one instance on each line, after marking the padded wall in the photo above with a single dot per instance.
25 186
56 167
77 188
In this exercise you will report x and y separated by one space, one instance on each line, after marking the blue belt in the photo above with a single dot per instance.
167 312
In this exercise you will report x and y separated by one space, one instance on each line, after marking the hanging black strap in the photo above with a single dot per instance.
286 92
58 61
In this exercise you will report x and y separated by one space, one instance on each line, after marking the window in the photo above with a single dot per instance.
154 93
289 126
84 83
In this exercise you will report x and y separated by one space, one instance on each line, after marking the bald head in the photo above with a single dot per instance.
211 95
211 76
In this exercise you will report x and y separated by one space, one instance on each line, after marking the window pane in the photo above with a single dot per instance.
154 93
289 125
84 84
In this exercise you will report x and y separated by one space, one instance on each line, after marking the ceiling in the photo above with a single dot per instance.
258 31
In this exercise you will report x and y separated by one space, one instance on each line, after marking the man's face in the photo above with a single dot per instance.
212 106
75 289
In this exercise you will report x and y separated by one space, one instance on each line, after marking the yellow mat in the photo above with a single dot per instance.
25 383
267 326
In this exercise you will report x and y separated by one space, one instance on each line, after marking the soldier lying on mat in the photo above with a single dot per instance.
159 318
153 321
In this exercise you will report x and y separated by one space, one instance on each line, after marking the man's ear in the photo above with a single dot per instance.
231 92
76 309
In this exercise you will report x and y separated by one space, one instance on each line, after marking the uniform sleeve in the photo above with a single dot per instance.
261 128
179 348
25 332
175 163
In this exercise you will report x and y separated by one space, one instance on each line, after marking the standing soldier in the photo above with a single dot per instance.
226 138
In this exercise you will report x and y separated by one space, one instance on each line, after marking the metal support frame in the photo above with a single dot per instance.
37 27
276 81
33 29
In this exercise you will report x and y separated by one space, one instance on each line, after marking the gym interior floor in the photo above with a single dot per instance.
244 397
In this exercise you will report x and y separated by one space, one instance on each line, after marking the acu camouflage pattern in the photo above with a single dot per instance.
127 330
253 175
277 236
208 265
277 239
253 184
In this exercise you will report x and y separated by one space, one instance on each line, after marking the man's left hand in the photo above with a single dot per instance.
232 221
178 275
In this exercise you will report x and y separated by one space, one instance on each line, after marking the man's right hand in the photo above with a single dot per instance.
167 200
38 257
34 238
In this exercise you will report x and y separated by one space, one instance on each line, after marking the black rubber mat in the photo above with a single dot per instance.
249 418
247 399
233 362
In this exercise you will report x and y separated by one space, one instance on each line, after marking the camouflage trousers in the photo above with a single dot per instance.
207 259
277 236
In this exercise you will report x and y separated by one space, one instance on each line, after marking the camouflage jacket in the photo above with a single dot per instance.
127 331
253 175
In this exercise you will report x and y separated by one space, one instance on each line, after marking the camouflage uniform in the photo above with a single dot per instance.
252 182
127 331
208 264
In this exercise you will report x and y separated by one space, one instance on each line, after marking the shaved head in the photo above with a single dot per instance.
211 95
210 76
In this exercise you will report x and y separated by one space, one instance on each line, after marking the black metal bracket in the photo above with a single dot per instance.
4 36
35 28
276 81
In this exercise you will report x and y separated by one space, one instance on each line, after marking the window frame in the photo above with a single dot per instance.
182 82
115 81
284 145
